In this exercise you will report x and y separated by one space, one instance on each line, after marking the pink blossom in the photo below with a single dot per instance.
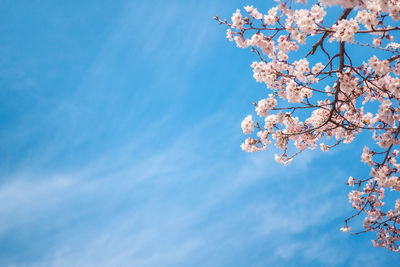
345 30
248 125
345 229
351 181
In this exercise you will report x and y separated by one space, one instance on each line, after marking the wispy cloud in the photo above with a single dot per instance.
158 210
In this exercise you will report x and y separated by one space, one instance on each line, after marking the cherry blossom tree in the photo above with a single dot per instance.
324 104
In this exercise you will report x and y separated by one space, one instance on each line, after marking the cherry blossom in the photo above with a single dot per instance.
313 103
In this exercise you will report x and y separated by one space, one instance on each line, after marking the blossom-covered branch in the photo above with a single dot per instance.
311 103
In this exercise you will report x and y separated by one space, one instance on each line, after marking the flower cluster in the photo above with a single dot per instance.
345 29
392 7
381 67
329 101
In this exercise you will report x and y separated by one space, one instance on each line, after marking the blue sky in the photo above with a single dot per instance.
120 146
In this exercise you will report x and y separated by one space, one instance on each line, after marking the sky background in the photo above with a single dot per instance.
120 146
